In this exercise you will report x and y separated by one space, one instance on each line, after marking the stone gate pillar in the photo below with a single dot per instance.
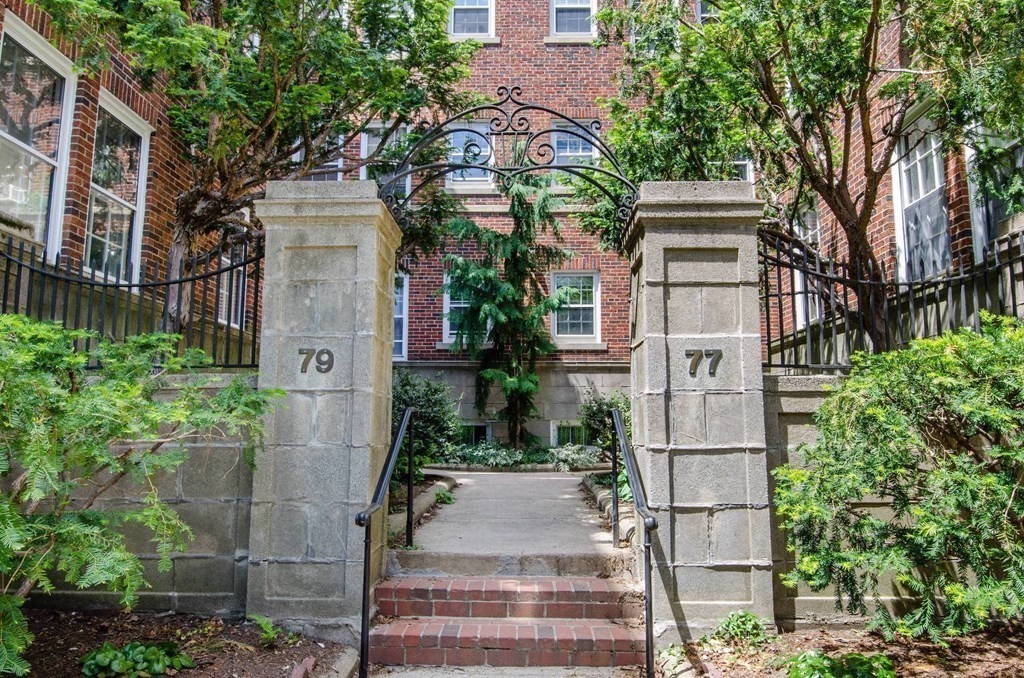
328 302
698 414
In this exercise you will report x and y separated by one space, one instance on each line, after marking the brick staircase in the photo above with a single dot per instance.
566 621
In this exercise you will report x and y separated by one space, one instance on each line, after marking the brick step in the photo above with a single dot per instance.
505 642
493 597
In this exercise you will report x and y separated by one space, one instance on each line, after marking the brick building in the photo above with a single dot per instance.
91 168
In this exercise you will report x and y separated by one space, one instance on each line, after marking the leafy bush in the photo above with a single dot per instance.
67 437
742 629
135 659
436 423
596 417
571 457
937 432
444 497
489 453
813 664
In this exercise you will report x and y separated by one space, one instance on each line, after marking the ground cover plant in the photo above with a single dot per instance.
936 433
135 659
68 436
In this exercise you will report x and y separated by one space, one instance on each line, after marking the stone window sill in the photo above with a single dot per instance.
447 345
471 188
569 40
581 345
486 40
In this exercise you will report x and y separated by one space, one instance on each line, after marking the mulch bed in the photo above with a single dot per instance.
220 648
997 652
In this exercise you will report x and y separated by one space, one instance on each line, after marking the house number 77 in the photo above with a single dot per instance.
714 356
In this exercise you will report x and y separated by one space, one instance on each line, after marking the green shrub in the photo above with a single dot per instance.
436 424
271 634
937 432
813 664
135 659
68 436
742 629
572 457
444 497
489 453
596 417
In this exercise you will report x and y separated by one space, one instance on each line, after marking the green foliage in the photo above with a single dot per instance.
807 90
742 629
504 323
67 437
444 497
135 659
596 417
813 664
936 431
268 91
570 457
623 488
270 633
436 423
489 453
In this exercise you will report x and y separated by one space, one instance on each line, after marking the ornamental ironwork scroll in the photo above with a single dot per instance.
504 139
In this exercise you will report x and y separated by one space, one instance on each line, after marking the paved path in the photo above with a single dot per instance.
517 514
501 672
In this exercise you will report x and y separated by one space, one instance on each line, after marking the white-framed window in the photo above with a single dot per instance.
470 144
922 215
37 98
807 291
706 11
401 345
382 169
231 289
474 433
580 318
454 307
117 191
567 433
329 171
472 18
572 17
987 211
573 147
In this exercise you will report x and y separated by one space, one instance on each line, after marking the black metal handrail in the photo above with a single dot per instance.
650 523
364 520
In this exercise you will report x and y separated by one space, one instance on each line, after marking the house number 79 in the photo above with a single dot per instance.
324 359
714 356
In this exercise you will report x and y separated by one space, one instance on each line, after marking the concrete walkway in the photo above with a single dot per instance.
515 524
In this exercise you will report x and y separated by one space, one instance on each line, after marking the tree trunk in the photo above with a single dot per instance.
871 290
178 306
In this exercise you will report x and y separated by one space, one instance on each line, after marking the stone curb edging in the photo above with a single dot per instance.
603 497
425 501
523 468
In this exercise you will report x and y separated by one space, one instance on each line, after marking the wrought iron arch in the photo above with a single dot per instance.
510 146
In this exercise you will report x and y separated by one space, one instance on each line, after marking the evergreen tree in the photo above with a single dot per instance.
504 322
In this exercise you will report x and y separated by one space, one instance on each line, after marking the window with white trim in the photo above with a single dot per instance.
115 197
925 245
578 318
572 17
36 100
469 144
988 211
573 147
384 166
706 11
807 292
568 433
231 289
474 18
475 434
401 345
455 306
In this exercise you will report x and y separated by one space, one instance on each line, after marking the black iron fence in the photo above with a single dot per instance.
817 312
213 306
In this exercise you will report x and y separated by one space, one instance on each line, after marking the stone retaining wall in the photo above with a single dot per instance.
212 492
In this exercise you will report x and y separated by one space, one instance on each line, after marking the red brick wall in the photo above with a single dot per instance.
566 78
